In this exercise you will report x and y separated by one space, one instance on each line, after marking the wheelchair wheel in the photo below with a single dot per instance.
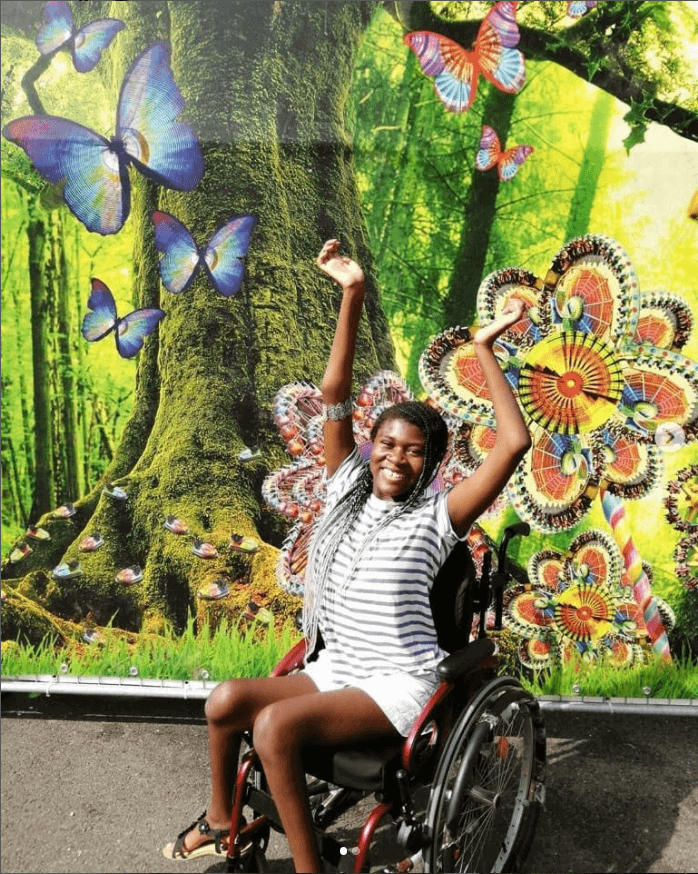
488 788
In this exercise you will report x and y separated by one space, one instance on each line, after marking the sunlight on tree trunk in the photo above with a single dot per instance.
590 168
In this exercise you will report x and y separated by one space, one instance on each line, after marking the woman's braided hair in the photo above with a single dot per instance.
335 524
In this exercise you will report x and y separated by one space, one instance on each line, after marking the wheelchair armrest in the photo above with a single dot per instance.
463 660
292 660
408 748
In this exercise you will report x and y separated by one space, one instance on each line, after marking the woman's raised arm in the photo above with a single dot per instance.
336 383
473 496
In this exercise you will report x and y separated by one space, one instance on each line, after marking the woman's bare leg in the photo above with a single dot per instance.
283 728
232 708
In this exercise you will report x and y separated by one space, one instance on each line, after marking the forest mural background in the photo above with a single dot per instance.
316 119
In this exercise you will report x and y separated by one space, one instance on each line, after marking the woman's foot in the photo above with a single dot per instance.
201 838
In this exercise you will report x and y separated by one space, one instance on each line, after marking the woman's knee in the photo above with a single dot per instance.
227 701
277 731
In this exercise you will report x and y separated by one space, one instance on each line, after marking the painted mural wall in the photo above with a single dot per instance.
170 171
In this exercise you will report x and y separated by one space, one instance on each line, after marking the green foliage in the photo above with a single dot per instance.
638 122
684 636
230 651
415 171
656 679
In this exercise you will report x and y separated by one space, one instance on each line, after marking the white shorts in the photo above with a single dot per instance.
400 696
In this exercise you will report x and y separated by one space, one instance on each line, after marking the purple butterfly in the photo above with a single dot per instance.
220 259
129 331
86 44
94 170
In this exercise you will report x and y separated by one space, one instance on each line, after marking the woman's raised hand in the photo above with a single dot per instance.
513 311
339 267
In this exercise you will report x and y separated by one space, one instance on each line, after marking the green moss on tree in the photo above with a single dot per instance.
265 86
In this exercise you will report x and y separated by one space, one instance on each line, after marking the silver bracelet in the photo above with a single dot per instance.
337 412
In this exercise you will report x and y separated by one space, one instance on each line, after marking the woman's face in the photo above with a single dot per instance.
397 458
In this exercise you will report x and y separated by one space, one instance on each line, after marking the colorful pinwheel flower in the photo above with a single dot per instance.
681 505
578 602
597 367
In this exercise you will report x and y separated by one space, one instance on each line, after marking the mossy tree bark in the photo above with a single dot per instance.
40 284
265 85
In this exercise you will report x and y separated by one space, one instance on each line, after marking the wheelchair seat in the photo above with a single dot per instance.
371 767
366 768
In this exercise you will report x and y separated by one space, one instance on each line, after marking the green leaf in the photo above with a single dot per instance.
593 67
636 135
637 121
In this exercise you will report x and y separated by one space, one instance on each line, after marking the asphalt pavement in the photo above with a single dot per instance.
103 792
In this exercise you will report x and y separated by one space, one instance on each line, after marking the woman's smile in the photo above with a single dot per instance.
397 458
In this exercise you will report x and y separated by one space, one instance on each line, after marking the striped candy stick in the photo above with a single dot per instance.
614 511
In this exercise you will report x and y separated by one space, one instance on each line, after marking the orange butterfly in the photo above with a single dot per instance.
456 70
490 154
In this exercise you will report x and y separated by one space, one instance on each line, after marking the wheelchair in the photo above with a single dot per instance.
477 748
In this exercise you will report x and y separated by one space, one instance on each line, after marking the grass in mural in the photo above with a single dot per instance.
677 679
229 652
233 651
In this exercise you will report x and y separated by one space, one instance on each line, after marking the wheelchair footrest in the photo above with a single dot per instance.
330 849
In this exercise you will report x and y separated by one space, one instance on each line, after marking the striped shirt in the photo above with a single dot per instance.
379 622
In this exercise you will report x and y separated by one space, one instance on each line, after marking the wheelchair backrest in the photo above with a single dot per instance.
451 598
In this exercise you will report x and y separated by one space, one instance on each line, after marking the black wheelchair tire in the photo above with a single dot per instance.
488 788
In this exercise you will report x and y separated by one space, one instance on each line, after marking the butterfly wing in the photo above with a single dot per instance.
57 28
95 179
180 259
449 64
150 102
223 254
577 9
511 160
91 40
500 63
490 149
132 330
103 317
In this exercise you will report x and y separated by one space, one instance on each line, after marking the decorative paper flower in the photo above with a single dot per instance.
597 369
686 558
579 601
681 505
681 501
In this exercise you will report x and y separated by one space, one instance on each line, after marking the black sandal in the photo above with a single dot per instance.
211 847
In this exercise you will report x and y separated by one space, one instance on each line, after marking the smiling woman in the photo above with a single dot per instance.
397 458
372 646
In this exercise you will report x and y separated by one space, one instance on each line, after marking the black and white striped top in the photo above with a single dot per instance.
380 621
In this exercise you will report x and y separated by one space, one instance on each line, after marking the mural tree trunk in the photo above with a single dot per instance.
590 167
477 220
38 235
269 116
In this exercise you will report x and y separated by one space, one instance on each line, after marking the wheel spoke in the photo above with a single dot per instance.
478 806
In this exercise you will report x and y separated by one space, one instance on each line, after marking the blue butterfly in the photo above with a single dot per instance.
86 44
94 170
220 259
129 331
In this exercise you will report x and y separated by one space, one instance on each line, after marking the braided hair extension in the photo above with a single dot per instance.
333 526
